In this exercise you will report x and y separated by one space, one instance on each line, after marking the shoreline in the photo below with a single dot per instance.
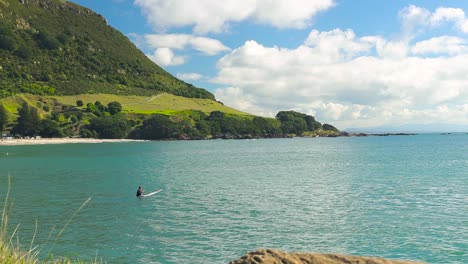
52 141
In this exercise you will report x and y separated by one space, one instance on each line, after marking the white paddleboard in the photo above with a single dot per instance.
151 193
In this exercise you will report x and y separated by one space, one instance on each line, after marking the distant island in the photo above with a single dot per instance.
414 128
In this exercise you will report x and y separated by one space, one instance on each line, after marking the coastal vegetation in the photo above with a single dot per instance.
48 117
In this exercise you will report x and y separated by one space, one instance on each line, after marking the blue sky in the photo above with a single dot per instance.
352 63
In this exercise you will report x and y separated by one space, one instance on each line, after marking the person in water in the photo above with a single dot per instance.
139 191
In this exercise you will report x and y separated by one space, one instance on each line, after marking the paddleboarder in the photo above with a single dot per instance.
139 192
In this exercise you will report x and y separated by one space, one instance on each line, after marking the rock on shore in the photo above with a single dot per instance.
270 256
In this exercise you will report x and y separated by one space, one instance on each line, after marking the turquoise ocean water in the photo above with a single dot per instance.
402 197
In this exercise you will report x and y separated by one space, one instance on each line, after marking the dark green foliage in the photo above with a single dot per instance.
100 106
27 122
86 133
7 39
110 127
55 116
329 128
7 42
90 107
74 119
114 108
46 108
267 126
46 41
216 116
73 50
49 128
293 122
157 127
3 119
203 127
79 103
312 124
79 115
24 52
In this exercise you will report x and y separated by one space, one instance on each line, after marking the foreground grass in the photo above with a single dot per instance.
12 253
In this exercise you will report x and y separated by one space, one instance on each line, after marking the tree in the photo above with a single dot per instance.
312 124
203 127
90 107
47 42
28 121
56 116
50 129
114 108
157 127
24 52
266 126
100 106
86 133
7 39
3 119
330 128
292 122
110 127
74 119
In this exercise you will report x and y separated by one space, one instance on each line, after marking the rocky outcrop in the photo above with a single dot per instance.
270 256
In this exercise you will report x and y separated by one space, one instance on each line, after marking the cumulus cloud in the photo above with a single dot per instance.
207 46
215 16
441 45
416 18
455 15
350 80
189 76
413 18
166 57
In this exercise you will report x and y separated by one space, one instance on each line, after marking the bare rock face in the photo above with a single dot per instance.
270 256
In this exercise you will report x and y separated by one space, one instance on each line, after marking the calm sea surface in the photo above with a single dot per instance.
402 197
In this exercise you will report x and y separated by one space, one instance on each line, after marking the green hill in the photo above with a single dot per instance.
55 47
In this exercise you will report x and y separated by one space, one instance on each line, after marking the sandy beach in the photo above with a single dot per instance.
46 141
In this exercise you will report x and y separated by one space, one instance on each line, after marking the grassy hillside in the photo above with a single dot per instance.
163 103
55 47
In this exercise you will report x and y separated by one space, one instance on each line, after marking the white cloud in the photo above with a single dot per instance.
413 18
416 18
189 76
446 14
166 57
441 45
288 13
207 46
215 16
454 15
347 80
173 41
